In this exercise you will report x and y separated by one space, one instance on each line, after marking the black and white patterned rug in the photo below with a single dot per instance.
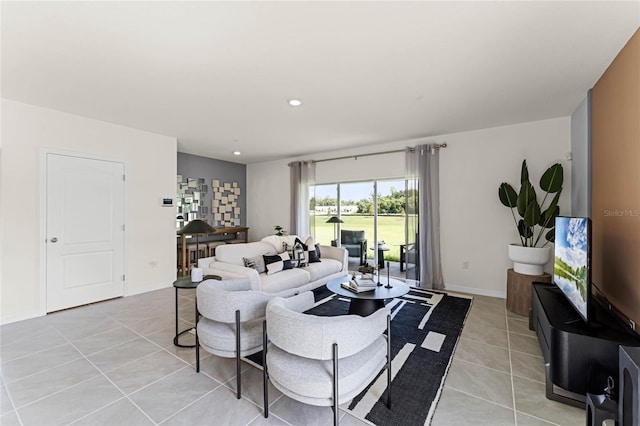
425 328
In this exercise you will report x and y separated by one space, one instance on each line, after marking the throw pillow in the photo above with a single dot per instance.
286 248
313 250
256 263
299 258
277 263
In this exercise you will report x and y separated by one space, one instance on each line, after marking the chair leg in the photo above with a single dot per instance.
389 362
265 376
197 340
197 352
336 409
238 362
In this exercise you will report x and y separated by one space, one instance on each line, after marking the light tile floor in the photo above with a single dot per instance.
114 363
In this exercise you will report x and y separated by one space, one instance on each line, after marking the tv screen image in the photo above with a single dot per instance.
571 261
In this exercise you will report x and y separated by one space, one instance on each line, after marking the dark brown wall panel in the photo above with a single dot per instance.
616 181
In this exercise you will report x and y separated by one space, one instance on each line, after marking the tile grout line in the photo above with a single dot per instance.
59 390
36 352
99 372
500 347
15 409
527 353
513 390
43 371
541 419
484 343
96 410
187 364
112 383
482 366
260 415
189 405
478 397
149 340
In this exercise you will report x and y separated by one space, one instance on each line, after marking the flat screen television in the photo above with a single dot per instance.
572 261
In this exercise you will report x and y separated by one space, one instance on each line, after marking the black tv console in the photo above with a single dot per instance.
578 356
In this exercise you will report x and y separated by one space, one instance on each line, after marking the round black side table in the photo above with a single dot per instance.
186 283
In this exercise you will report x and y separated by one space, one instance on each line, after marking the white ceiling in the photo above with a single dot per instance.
217 75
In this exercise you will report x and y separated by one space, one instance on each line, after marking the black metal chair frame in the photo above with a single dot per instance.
334 407
238 360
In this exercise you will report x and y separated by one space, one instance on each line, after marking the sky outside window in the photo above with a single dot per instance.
358 191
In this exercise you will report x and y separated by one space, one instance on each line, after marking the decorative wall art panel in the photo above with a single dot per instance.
192 201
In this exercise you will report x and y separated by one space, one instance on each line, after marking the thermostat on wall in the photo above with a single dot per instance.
167 202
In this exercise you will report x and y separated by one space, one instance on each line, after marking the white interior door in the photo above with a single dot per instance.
85 231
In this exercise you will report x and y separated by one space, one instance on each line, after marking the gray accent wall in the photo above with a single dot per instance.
195 166
581 159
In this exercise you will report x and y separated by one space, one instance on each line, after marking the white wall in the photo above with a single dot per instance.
150 162
475 227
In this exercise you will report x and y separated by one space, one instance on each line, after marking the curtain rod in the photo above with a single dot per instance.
438 146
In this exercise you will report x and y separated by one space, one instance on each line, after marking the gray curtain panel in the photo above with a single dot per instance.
302 178
423 221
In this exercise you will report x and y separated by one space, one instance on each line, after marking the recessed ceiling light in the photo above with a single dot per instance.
295 102
236 153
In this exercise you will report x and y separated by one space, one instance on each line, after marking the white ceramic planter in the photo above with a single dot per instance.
529 260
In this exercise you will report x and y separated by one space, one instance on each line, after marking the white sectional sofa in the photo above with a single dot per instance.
229 262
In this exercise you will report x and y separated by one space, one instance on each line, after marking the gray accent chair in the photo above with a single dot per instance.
355 243
230 319
323 361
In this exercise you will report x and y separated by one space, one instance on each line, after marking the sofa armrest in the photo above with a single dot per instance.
206 262
229 270
338 253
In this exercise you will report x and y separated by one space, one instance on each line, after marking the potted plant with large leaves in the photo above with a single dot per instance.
536 222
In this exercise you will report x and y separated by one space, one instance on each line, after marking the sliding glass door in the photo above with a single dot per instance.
391 218
324 205
372 210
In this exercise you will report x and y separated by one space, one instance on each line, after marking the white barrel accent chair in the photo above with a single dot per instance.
323 361
231 317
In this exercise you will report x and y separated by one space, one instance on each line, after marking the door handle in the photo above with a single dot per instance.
54 240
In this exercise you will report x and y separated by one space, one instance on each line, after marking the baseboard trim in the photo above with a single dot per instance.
478 291
138 290
146 289
21 318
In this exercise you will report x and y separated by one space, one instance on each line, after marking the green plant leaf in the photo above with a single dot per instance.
548 217
524 172
534 217
551 180
532 214
554 204
551 235
508 196
525 231
526 196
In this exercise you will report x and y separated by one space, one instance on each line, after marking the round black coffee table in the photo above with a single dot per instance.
367 302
